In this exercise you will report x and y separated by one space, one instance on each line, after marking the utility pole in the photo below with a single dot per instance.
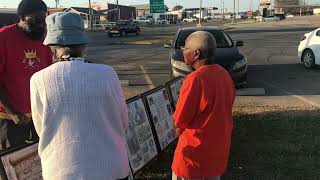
200 9
222 9
238 9
251 9
234 11
307 7
118 12
57 3
90 16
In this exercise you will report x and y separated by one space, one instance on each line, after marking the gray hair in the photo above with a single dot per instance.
79 50
205 43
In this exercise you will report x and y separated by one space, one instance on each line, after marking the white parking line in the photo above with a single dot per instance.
151 85
291 94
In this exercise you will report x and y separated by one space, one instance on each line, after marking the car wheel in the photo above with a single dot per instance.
137 32
308 59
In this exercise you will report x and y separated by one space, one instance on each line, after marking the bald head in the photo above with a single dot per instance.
205 43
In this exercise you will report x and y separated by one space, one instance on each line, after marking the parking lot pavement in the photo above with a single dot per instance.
304 21
272 59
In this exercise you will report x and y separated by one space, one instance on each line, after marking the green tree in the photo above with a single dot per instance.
177 7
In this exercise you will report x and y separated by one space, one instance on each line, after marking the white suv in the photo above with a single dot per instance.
145 21
309 49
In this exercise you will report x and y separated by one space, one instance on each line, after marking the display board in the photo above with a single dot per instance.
174 87
150 130
22 163
160 110
140 139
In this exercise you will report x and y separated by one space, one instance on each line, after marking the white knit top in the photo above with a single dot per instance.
80 115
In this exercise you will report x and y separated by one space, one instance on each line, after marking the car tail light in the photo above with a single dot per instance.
303 38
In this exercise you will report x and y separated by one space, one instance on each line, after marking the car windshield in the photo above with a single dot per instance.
222 39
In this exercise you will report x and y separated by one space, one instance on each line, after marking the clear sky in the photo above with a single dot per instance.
244 4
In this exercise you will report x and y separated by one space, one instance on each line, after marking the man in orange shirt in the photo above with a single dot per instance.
203 115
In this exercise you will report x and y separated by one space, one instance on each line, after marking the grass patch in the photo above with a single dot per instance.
268 143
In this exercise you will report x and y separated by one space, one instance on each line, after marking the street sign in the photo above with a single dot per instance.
156 6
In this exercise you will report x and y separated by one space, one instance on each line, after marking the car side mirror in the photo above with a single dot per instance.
168 45
239 43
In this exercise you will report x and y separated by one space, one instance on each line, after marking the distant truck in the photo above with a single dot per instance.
122 28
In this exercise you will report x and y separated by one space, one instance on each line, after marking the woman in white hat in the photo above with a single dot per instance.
78 109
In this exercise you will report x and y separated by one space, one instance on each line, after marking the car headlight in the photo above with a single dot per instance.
240 63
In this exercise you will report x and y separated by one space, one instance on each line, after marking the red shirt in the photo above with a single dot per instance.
20 58
204 112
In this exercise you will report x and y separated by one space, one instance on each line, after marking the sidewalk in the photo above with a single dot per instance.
303 21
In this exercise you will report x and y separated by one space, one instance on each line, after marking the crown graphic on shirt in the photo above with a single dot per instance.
32 54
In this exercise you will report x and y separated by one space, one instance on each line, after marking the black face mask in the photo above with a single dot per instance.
35 28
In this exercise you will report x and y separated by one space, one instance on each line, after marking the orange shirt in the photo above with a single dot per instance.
204 112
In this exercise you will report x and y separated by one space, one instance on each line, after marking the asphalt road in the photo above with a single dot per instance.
271 53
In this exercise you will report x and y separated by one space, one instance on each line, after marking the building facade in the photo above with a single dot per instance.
98 18
111 12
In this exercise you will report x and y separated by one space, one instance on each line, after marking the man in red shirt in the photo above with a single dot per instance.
22 53
203 115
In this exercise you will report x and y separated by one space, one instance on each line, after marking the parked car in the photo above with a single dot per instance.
258 18
207 18
143 21
227 54
280 16
161 21
289 16
173 21
244 16
110 24
309 49
123 28
190 19
271 18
